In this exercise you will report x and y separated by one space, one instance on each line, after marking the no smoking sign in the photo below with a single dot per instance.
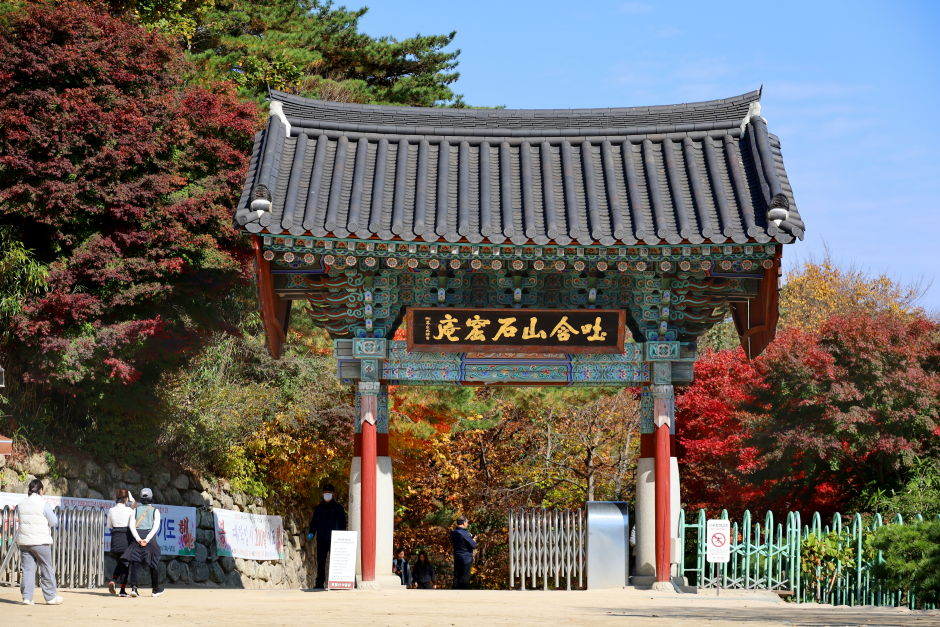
718 537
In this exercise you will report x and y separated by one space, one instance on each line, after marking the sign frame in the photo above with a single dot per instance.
713 553
544 347
342 573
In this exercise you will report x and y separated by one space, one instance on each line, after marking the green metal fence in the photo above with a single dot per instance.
787 558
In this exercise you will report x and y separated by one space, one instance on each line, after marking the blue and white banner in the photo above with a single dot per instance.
177 534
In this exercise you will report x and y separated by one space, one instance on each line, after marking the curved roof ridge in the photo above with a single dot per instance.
284 97
725 109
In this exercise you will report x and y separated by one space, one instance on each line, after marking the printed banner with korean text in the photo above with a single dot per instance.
249 536
177 534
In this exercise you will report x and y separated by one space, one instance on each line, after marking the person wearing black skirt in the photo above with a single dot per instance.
145 549
120 520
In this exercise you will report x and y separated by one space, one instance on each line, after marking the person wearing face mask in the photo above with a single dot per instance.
328 516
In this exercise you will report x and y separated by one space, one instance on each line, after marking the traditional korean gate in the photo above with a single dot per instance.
572 248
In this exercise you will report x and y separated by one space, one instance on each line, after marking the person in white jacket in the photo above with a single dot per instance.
120 522
34 539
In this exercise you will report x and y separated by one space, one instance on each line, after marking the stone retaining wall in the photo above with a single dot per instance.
86 479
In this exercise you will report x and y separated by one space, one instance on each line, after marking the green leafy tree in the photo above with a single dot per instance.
314 49
177 18
21 277
921 494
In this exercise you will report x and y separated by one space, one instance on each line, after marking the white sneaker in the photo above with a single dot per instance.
26 602
56 601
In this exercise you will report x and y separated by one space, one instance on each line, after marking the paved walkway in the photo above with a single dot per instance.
444 608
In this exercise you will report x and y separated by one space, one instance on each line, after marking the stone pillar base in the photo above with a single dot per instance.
382 582
645 581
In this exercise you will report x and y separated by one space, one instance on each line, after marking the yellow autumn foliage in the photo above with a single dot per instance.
819 288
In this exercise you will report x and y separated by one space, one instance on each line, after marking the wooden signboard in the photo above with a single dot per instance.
449 330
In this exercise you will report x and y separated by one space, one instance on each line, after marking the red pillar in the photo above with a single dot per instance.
663 515
369 410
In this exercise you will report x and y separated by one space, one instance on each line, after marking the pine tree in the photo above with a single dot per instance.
314 49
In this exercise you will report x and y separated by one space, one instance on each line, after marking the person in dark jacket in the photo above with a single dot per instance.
463 544
402 568
328 516
423 572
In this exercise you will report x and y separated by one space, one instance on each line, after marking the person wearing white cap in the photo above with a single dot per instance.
146 549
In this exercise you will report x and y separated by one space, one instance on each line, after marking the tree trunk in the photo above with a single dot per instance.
621 465
590 474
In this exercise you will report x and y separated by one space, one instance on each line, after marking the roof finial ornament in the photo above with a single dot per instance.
752 110
276 109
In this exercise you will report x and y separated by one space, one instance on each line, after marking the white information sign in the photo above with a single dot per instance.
718 541
342 574
176 536
249 536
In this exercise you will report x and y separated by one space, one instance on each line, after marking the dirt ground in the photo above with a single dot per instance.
445 608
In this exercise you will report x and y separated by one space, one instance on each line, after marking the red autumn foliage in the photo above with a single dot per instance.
847 409
710 437
816 421
121 178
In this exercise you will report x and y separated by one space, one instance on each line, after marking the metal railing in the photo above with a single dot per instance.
763 557
768 557
77 547
548 544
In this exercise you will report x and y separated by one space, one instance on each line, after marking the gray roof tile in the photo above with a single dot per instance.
674 173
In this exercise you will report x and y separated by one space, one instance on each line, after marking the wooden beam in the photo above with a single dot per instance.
756 320
271 306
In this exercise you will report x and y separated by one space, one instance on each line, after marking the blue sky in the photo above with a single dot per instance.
851 88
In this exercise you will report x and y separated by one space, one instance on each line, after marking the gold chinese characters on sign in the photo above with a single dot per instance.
515 330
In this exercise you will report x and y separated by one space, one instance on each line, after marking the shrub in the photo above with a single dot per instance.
910 559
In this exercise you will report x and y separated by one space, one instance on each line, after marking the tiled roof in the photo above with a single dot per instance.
643 174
